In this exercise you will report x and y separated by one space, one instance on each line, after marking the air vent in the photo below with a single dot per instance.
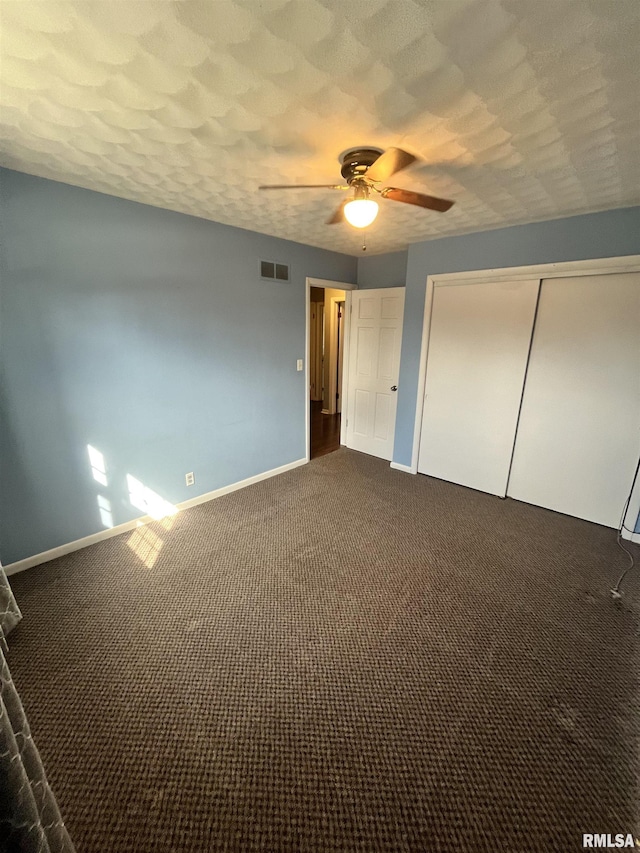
273 271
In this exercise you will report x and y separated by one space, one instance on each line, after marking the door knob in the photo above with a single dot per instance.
394 387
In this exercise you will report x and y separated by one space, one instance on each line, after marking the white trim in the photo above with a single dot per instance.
337 285
633 512
332 312
101 535
346 342
76 545
594 266
422 374
397 466
328 283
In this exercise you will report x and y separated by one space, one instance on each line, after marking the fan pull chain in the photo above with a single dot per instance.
364 242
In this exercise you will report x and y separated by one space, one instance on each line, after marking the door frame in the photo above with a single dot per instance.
340 320
326 284
315 336
331 311
594 266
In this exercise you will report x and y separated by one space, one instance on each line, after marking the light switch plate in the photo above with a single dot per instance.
299 364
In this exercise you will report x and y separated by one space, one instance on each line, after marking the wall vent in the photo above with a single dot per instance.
274 271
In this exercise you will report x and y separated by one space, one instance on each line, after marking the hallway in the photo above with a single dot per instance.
325 431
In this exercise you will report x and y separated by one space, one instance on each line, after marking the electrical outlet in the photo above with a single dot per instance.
189 478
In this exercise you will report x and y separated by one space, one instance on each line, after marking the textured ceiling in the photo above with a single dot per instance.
520 110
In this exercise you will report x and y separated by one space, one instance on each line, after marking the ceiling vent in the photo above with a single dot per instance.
274 271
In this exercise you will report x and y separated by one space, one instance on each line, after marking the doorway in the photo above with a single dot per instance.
325 368
327 348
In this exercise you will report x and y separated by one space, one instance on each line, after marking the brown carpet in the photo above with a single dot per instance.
341 658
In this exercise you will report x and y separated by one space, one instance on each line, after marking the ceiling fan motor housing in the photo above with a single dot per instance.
356 162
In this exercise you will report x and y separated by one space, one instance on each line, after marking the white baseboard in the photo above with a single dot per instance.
398 467
76 545
101 535
631 537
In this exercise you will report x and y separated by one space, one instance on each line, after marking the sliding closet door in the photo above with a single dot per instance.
579 432
478 347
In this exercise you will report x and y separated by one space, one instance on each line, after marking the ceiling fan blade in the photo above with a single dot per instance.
338 216
388 163
409 197
304 187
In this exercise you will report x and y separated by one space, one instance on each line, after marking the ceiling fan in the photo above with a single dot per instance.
362 169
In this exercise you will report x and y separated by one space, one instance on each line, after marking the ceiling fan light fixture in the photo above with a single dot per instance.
360 212
362 169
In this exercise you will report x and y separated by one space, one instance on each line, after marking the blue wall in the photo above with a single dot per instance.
388 270
596 235
149 335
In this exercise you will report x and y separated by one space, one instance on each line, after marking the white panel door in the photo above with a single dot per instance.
374 365
579 434
477 359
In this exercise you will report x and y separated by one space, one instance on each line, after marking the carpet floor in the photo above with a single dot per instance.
342 658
